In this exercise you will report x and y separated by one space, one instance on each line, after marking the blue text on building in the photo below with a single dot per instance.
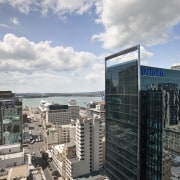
147 71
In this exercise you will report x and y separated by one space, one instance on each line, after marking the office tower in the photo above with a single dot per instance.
74 109
58 114
11 151
10 119
140 102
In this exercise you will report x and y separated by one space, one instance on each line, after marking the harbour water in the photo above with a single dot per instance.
81 101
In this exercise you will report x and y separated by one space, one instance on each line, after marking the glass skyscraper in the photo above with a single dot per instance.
10 119
140 102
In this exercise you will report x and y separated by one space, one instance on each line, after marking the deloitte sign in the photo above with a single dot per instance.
147 71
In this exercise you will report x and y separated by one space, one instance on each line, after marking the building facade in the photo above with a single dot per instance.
74 109
11 137
99 110
86 154
58 114
10 119
172 139
140 102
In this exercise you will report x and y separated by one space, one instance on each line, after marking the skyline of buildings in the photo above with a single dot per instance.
134 132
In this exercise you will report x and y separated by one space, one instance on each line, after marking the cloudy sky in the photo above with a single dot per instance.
60 45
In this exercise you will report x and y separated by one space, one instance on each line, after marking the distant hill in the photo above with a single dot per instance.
39 95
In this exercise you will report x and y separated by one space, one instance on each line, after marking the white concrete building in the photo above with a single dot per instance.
66 133
60 134
57 151
86 154
11 155
52 136
89 152
98 110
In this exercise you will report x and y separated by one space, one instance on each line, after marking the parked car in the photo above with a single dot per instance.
33 141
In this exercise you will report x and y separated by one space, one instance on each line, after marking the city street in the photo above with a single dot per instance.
35 149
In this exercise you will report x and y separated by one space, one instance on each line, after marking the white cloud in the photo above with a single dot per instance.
26 66
18 53
126 23
4 25
134 22
14 20
56 6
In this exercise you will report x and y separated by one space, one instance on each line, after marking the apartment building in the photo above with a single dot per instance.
89 144
86 154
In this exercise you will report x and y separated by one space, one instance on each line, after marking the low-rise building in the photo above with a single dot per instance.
59 135
99 110
11 155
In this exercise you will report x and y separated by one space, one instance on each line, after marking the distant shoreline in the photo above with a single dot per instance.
46 95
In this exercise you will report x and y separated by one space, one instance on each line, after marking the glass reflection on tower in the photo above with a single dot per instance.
140 102
10 119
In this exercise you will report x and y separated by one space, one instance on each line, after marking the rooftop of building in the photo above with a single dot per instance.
74 160
175 170
6 94
101 102
71 144
97 110
12 155
19 171
173 127
57 107
59 147
9 146
67 125
52 129
176 66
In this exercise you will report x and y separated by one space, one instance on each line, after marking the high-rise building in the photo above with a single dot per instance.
86 154
10 119
11 151
58 114
140 102
74 109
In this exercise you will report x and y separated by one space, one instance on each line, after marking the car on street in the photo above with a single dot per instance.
33 141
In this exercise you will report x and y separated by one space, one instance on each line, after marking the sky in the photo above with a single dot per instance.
60 45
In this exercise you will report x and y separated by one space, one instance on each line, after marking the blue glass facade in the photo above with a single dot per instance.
140 102
10 120
122 121
160 107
